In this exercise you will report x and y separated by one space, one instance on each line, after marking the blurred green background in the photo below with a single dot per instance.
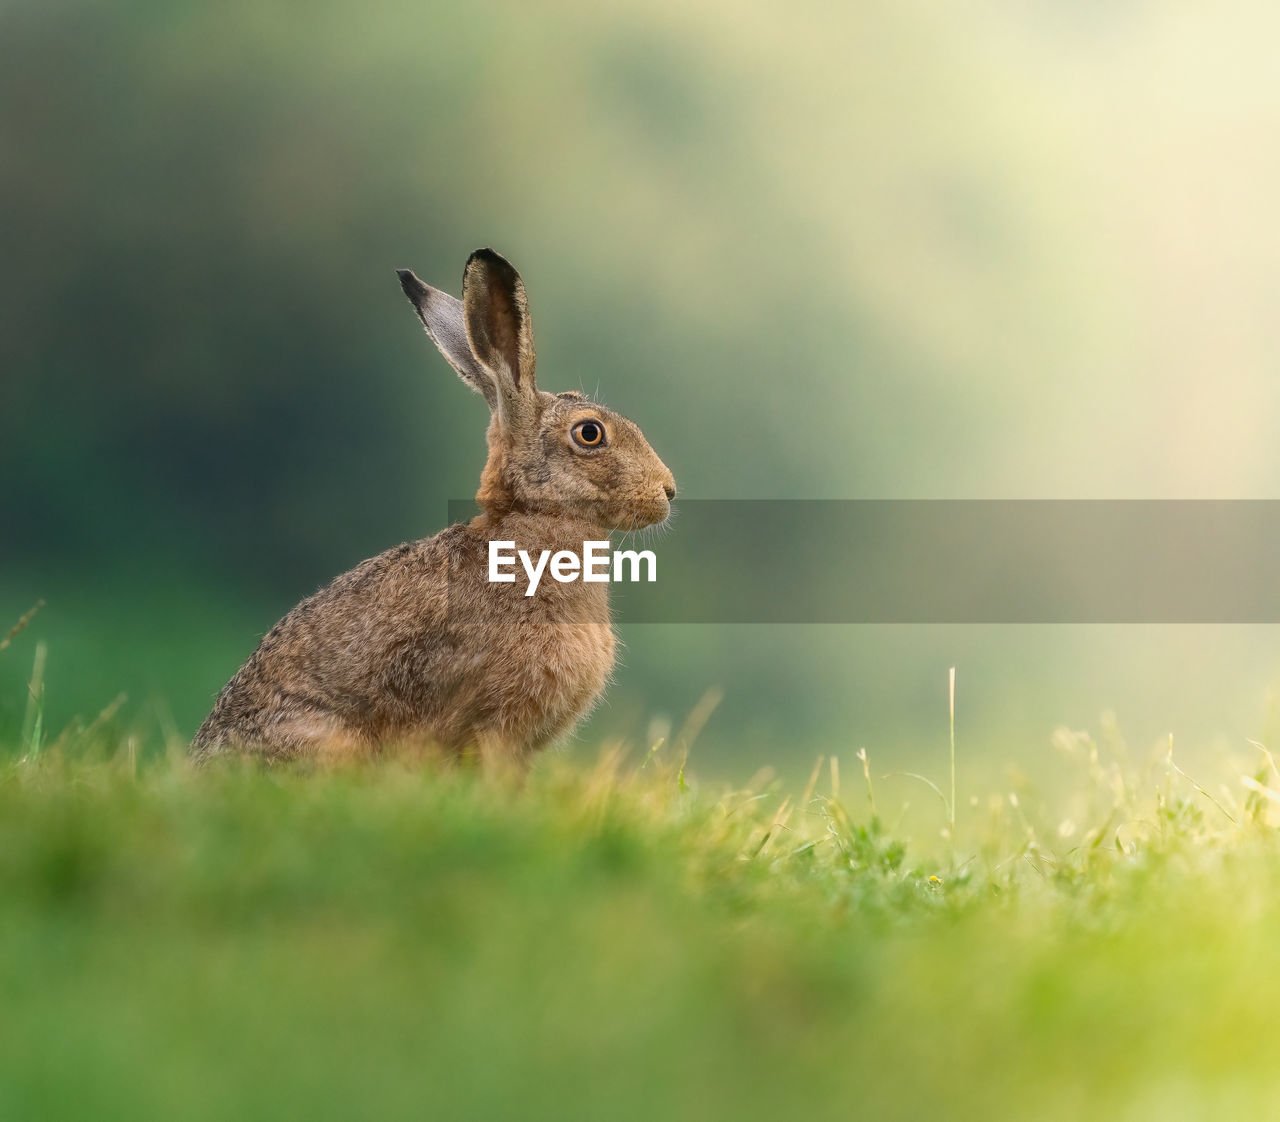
873 250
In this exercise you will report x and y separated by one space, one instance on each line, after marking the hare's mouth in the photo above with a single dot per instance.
654 516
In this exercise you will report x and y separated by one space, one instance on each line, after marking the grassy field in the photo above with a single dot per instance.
613 942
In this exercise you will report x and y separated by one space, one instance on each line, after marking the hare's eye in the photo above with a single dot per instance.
590 434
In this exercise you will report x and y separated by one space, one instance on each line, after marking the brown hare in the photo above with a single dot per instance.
417 646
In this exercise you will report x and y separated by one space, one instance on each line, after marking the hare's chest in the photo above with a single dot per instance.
571 662
581 656
560 671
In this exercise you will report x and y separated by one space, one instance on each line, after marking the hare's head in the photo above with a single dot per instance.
557 454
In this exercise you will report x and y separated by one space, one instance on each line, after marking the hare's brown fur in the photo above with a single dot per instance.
416 646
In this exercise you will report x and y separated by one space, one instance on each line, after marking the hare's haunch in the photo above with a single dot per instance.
416 646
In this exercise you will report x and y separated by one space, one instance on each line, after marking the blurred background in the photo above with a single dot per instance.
875 250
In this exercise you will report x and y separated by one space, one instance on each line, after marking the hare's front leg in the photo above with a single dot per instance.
500 758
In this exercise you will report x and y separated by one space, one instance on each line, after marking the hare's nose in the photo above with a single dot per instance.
670 489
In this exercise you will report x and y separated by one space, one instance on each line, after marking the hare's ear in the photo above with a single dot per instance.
498 323
445 321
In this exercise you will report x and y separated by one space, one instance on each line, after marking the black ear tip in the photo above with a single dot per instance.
411 285
490 257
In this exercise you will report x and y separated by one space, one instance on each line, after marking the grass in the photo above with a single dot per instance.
616 942
389 942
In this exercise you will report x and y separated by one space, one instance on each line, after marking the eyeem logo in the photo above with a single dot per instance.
596 565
